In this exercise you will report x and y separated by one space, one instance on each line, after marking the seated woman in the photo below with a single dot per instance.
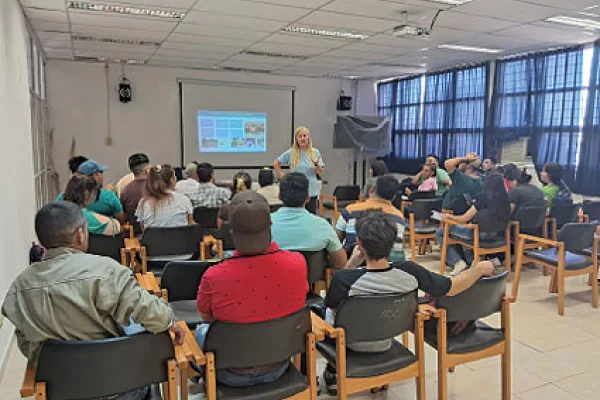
161 206
378 168
241 182
268 189
491 211
428 180
551 176
82 190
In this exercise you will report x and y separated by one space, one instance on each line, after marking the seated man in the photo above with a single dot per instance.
189 186
294 228
130 177
466 183
380 198
208 194
106 202
71 295
260 283
488 165
375 235
133 192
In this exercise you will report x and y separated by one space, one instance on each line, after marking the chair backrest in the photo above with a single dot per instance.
417 194
182 278
101 368
422 208
274 207
371 318
347 193
480 300
592 208
206 217
108 246
530 217
224 233
172 241
316 262
250 345
565 213
577 237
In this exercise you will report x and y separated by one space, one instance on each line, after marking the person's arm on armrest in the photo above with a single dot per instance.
467 278
466 217
338 258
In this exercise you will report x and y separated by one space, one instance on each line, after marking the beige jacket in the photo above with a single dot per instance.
271 193
72 295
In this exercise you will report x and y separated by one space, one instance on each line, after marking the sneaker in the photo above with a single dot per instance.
459 267
330 382
496 262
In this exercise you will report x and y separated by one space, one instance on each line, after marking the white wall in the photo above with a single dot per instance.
17 204
150 123
366 93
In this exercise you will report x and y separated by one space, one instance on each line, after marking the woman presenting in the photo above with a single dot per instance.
303 158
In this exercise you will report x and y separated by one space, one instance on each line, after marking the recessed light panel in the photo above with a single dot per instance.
129 10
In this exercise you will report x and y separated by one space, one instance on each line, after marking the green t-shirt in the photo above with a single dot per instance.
107 203
97 224
461 184
550 192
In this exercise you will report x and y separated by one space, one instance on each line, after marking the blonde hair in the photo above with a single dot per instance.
241 181
295 155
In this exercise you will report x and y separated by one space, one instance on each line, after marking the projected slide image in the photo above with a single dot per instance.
232 132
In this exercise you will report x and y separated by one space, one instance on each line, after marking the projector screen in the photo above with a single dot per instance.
235 125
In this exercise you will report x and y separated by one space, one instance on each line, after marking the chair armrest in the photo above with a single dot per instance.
509 299
127 227
189 349
321 328
451 221
28 386
540 240
132 244
324 196
148 281
427 311
515 223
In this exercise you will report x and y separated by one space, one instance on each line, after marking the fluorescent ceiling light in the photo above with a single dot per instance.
130 42
452 2
473 49
111 60
129 10
274 55
572 21
324 32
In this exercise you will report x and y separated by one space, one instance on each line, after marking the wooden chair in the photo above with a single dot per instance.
341 198
230 345
592 210
110 246
102 368
560 215
485 298
528 221
479 246
564 257
420 228
221 239
317 263
180 281
372 318
168 243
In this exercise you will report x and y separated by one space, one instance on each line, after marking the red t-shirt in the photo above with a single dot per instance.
254 288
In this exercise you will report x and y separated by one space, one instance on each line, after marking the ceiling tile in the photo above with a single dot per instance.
47 4
311 4
214 40
101 31
348 53
392 41
197 52
251 10
108 49
293 40
271 61
36 14
203 30
382 9
253 24
509 10
347 22
59 53
473 23
43 26
546 34
202 64
566 4
285 49
121 21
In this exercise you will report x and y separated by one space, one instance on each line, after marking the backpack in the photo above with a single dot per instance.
564 196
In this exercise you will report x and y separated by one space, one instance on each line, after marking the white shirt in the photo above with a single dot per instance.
187 187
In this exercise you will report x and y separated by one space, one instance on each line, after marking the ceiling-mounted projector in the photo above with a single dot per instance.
408 30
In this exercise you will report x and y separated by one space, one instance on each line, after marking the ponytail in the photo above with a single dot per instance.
158 184
241 182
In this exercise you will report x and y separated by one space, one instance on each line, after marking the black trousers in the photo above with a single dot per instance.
311 206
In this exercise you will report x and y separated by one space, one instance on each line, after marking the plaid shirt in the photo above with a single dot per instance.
210 195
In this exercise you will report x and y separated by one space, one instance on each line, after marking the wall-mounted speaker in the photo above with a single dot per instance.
124 90
344 103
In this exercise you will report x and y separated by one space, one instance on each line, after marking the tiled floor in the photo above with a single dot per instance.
554 358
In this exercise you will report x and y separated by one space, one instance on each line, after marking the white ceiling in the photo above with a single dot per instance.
214 33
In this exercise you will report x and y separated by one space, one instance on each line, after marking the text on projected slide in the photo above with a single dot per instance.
232 132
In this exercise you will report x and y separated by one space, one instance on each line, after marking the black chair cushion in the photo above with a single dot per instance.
422 227
154 393
491 243
290 383
157 265
362 365
186 310
314 300
341 203
480 338
550 256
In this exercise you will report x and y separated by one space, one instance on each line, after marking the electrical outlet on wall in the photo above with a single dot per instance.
108 141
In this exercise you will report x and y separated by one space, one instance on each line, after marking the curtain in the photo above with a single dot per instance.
588 169
540 97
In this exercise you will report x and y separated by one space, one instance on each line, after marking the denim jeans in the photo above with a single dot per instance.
453 253
229 378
